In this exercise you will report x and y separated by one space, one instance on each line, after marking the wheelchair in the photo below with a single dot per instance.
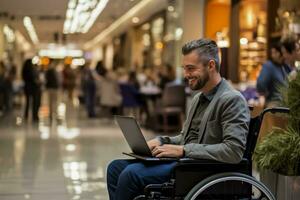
207 179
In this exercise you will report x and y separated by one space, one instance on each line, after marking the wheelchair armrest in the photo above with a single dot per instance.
274 110
188 172
192 161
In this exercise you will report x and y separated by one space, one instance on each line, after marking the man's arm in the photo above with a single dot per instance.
264 79
235 119
165 146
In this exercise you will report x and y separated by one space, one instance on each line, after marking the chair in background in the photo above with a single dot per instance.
170 113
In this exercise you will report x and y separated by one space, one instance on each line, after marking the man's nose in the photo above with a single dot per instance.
186 73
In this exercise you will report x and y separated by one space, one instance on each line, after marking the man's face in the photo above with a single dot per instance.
276 56
290 58
194 71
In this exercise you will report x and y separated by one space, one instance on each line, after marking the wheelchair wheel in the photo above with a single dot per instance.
243 187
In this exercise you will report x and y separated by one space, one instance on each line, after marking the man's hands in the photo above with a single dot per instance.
153 143
166 150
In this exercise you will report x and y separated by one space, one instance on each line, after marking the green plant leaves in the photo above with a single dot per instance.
279 151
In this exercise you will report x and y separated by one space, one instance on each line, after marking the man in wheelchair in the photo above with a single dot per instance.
216 127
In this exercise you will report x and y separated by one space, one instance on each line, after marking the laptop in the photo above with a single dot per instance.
135 139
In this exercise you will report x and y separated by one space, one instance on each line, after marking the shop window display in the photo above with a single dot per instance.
253 45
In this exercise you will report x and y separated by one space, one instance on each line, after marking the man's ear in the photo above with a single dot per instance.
211 64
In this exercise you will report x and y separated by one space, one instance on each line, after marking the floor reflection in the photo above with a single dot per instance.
65 158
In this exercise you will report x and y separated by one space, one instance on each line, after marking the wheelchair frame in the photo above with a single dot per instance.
190 177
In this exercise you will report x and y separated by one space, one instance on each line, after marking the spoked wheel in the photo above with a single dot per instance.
230 186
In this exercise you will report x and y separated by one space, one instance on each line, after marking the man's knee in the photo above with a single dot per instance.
132 174
113 167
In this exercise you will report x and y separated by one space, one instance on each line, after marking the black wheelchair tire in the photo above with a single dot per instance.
217 178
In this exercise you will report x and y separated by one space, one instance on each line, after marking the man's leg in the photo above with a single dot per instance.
114 170
132 178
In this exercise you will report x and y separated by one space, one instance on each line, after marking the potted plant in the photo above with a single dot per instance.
279 151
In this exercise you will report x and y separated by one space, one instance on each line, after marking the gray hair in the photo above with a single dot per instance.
206 49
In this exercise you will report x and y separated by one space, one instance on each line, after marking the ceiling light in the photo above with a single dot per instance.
9 34
82 14
60 52
71 147
78 61
30 29
135 20
127 16
243 41
171 8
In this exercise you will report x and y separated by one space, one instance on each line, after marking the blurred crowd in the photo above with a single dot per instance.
103 92
106 92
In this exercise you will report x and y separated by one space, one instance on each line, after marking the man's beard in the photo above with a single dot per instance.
200 82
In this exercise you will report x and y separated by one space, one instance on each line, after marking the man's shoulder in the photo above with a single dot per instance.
231 93
269 65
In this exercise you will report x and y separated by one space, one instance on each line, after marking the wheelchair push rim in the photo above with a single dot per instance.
222 177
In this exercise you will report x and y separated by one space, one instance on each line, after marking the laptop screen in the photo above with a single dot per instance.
133 135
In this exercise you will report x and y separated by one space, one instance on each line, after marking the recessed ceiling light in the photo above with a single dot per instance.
30 29
135 20
82 14
171 8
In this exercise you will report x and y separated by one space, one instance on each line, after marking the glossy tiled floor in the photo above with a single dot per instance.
65 159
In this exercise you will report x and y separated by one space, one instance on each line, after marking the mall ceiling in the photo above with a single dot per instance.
48 18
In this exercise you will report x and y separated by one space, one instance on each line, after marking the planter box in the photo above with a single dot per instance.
283 187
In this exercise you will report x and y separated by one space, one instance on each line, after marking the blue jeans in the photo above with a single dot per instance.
126 179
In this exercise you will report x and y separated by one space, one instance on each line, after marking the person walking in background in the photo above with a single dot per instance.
88 84
7 76
52 86
273 77
32 89
69 80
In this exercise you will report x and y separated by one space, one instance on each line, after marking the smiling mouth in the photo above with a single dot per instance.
191 80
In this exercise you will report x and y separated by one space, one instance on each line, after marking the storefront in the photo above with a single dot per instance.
245 37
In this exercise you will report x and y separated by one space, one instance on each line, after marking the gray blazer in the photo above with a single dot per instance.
223 129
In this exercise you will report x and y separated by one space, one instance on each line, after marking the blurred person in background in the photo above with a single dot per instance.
88 84
109 90
32 89
52 86
8 75
69 80
166 75
129 87
273 77
290 50
2 77
100 69
132 79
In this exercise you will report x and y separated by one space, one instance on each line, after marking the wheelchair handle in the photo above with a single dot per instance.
274 110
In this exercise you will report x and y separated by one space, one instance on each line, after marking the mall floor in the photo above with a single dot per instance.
63 159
